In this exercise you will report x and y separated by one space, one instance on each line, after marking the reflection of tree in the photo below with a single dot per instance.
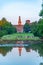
38 47
5 50
28 48
41 63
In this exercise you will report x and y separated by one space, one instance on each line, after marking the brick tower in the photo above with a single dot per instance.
19 21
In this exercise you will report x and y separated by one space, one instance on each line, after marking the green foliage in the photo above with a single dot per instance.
40 27
3 32
26 28
6 27
41 13
40 21
20 36
38 47
37 28
9 28
34 28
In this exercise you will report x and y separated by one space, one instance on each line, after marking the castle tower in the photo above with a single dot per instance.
28 21
19 21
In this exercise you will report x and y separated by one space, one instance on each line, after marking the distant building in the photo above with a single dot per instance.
28 21
19 27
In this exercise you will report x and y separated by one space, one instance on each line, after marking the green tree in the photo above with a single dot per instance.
6 27
9 28
26 28
34 28
37 28
40 28
3 32
41 13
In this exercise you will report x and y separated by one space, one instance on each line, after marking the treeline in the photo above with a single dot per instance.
35 27
6 27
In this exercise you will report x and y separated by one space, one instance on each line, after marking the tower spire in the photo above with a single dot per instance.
19 21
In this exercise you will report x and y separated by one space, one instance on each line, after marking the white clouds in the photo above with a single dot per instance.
27 11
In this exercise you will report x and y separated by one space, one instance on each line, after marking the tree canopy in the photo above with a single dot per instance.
6 27
26 28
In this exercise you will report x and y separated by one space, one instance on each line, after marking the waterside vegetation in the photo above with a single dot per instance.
20 36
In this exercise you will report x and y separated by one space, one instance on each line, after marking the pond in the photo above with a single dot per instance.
30 54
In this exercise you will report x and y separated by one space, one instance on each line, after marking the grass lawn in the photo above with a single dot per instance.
20 36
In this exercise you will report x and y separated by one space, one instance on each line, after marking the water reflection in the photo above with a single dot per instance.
22 55
41 63
5 50
20 50
36 47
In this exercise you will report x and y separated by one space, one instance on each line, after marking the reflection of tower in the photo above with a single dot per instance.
20 50
19 21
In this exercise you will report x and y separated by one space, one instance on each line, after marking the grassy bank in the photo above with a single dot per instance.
20 36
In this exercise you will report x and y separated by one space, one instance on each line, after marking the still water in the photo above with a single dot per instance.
32 54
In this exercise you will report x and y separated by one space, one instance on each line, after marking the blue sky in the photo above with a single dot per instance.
27 9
